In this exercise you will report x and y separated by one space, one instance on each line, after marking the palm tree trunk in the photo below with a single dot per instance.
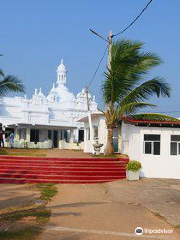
109 146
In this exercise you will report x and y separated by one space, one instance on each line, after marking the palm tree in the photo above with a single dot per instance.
9 83
126 89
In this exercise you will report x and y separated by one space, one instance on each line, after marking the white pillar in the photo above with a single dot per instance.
62 134
16 134
28 134
71 137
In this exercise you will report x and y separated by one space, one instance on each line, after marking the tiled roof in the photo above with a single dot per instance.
151 122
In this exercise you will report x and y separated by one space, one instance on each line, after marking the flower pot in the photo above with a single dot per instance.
132 176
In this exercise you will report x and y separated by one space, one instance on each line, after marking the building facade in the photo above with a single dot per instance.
42 118
155 144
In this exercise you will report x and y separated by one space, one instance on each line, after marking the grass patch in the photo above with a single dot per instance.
42 214
3 152
23 152
47 191
27 233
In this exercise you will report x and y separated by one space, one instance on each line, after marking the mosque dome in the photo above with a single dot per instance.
64 95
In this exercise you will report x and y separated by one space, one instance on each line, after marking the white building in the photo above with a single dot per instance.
155 144
40 118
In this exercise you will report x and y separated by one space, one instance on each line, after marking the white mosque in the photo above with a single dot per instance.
46 121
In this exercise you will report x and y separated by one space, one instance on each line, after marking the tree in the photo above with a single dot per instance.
9 83
126 88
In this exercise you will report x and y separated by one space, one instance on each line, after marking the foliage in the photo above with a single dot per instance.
41 214
3 152
126 89
27 233
133 166
47 191
9 83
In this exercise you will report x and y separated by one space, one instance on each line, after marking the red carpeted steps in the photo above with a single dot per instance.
14 169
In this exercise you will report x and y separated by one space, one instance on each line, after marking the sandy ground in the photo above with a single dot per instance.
71 154
101 212
17 195
66 153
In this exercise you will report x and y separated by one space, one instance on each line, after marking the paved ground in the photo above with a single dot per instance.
161 196
110 211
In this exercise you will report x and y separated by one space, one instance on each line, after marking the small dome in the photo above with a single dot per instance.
40 94
53 89
61 67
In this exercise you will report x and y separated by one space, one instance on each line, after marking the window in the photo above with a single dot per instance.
49 134
81 135
95 128
34 135
152 144
175 145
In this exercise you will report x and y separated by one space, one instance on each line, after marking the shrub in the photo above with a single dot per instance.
133 166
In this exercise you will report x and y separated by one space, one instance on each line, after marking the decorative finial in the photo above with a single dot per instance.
61 61
94 98
40 91
53 85
35 91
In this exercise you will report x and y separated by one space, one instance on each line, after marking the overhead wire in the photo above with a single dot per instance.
98 66
114 35
129 25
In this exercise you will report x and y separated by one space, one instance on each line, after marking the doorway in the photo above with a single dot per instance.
115 139
55 138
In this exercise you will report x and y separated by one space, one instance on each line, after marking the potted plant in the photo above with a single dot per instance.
132 170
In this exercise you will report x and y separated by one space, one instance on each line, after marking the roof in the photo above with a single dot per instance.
93 116
154 123
39 126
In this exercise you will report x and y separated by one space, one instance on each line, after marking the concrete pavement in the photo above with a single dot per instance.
96 212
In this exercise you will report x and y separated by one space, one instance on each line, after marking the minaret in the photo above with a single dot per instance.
61 74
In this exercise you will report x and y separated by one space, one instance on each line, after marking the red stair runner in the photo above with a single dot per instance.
15 169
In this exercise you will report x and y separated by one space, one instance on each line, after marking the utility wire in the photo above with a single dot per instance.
100 99
98 66
147 5
114 35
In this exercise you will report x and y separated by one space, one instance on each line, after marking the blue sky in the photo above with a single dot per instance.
36 34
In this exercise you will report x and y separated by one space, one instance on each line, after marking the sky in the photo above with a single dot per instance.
35 35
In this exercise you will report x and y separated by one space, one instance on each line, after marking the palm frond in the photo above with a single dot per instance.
154 117
129 64
132 108
155 86
10 83
1 73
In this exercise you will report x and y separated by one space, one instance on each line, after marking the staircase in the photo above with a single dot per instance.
15 169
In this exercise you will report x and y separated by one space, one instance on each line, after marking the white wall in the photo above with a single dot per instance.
153 166
99 122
